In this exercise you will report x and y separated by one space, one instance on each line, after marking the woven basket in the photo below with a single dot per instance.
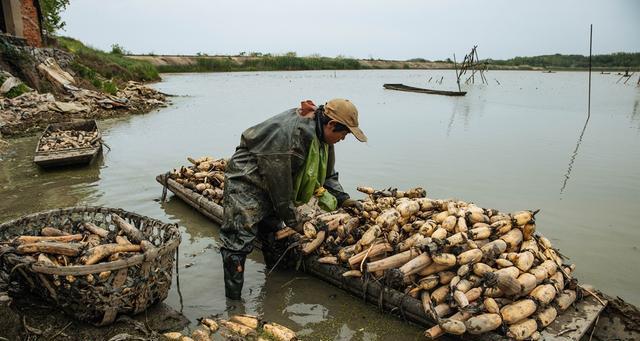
94 293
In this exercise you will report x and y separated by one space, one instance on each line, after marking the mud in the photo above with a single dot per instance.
27 318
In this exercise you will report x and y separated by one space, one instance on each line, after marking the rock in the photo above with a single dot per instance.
9 84
63 58
69 107
55 73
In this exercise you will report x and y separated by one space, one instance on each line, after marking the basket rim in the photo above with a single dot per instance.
150 255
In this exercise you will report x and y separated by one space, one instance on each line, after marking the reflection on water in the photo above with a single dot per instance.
575 151
26 188
501 146
635 116
573 157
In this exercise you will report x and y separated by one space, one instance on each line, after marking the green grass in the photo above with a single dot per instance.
265 63
92 62
109 87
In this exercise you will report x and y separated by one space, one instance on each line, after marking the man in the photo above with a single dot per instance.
279 164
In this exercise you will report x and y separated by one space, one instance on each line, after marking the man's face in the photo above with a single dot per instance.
332 137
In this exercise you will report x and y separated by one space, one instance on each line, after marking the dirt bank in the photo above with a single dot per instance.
187 61
39 86
33 111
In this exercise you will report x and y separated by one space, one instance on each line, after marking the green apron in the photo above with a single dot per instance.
309 181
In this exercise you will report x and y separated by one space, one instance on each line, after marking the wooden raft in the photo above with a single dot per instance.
572 324
67 157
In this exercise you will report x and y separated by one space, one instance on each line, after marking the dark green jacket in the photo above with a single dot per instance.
259 177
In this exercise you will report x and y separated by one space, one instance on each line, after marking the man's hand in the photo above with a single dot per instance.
352 203
301 217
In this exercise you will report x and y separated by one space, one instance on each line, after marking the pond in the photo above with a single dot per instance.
520 142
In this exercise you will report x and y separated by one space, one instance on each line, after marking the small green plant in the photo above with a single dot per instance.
117 49
109 87
18 90
96 83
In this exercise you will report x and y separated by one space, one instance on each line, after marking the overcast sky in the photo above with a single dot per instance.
393 29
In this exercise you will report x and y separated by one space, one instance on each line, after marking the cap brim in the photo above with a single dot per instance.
358 134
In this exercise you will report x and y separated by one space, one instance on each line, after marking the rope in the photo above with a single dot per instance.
178 277
293 245
365 286
404 317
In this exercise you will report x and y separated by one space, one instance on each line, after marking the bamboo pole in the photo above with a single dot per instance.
455 65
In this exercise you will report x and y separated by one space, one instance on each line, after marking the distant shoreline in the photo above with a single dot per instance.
185 63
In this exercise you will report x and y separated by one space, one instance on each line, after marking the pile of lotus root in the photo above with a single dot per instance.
205 176
68 139
475 270
91 245
238 327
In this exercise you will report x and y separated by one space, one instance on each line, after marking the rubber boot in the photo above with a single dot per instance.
233 264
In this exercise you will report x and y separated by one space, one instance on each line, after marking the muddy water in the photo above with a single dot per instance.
517 145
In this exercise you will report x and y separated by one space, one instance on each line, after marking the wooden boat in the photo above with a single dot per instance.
73 156
402 87
572 324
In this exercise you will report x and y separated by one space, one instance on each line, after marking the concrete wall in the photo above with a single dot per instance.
12 17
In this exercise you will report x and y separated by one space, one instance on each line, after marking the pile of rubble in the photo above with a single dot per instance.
32 111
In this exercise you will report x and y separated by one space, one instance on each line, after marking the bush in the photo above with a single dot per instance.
109 87
118 49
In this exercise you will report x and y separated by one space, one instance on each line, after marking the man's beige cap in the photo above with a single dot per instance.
343 111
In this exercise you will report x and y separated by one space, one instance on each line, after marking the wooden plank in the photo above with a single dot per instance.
574 323
203 205
72 157
402 87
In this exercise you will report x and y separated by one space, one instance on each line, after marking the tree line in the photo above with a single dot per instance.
613 60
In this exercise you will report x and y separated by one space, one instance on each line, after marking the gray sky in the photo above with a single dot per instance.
399 29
